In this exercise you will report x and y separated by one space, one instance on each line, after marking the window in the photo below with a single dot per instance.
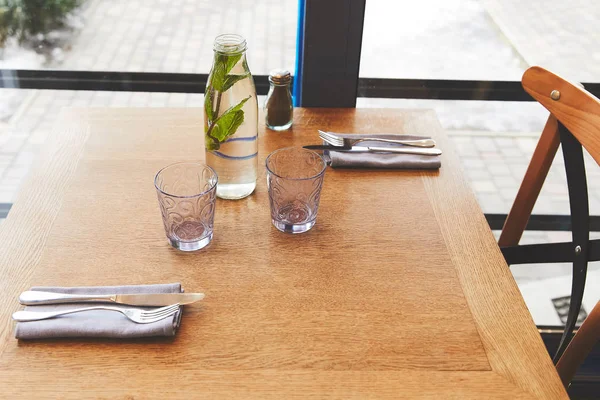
125 37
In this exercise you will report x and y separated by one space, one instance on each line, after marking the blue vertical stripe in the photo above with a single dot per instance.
299 53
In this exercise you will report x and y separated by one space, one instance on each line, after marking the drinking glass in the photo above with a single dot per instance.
186 196
294 178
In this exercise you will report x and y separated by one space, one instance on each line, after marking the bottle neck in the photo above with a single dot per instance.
278 86
240 65
219 55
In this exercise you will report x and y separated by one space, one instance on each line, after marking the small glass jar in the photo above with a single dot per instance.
279 110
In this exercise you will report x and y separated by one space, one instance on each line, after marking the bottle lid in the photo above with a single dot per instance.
280 77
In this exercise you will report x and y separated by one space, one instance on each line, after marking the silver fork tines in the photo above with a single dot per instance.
339 141
137 315
333 140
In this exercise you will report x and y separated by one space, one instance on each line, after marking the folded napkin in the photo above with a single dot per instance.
98 323
344 159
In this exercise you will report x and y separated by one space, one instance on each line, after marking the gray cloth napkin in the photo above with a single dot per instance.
343 159
105 324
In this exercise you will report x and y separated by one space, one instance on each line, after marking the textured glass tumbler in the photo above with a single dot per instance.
186 196
294 178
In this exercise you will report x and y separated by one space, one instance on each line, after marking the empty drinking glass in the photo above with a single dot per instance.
295 178
186 195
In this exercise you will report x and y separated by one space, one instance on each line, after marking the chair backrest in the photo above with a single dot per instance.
574 121
578 111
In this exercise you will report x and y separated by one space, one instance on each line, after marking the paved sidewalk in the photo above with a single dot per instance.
560 35
177 36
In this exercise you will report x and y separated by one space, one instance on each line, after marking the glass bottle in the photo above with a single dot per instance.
279 110
231 119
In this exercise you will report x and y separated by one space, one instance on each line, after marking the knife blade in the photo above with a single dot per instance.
34 298
377 149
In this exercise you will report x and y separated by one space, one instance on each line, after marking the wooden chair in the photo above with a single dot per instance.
574 122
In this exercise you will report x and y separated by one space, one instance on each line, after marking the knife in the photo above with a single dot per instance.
34 298
376 149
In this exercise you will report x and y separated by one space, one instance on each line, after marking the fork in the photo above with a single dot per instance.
335 140
137 315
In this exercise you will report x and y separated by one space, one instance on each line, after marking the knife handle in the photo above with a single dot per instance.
325 147
34 298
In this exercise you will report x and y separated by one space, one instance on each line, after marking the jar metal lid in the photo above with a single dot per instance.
280 77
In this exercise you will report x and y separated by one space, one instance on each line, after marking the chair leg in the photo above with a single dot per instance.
579 348
580 215
532 184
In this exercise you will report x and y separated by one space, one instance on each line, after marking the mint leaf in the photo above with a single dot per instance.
208 106
212 146
210 143
230 61
217 76
231 80
228 123
223 64
210 138
235 108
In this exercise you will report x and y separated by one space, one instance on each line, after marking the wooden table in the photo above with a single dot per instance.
399 291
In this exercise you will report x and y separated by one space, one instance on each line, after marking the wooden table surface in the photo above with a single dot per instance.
398 291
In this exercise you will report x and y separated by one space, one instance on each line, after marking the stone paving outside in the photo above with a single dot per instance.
563 36
466 39
177 36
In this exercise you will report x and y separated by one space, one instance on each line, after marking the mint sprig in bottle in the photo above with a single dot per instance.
231 119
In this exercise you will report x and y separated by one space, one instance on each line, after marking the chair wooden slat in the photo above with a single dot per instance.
581 345
531 185
575 108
